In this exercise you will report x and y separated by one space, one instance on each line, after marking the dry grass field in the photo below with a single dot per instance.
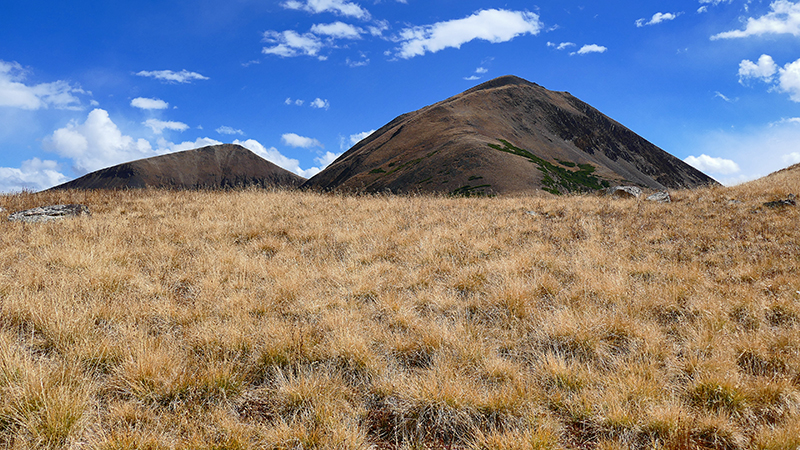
285 320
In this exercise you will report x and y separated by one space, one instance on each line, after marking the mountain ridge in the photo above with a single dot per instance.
449 147
212 167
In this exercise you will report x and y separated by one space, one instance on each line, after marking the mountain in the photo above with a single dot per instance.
213 167
507 135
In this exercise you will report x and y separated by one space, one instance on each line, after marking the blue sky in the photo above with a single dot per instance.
86 85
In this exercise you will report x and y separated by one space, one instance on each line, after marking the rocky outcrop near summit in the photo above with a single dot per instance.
215 167
507 135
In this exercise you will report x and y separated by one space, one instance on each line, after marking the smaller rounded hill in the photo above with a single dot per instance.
215 167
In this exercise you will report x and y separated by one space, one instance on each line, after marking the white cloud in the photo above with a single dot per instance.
96 143
326 159
783 19
788 76
491 25
319 103
561 46
472 78
228 130
591 48
339 30
275 157
158 126
290 43
764 69
657 18
791 158
295 140
340 7
718 94
164 146
16 94
712 165
169 76
757 151
33 175
481 70
149 103
358 137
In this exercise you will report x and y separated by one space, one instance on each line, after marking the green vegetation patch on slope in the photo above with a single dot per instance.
557 178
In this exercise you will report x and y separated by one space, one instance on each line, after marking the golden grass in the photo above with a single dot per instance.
287 320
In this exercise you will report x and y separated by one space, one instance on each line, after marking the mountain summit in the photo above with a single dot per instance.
213 167
507 135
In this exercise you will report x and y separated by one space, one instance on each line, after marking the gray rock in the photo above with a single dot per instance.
660 197
48 213
789 201
624 192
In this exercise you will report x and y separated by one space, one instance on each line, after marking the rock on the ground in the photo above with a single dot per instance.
625 192
788 201
660 197
48 213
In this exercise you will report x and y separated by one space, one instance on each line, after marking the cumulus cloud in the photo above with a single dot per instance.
358 137
290 43
158 126
272 155
168 76
788 76
657 18
712 165
757 151
15 93
784 18
764 69
493 25
297 141
319 103
339 30
228 130
96 143
33 175
339 7
591 48
149 103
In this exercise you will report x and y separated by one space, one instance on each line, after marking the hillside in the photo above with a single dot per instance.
293 319
213 167
505 136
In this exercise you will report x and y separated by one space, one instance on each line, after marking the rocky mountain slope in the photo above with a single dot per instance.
507 135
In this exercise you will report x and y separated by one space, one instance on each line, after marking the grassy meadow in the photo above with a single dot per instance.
296 320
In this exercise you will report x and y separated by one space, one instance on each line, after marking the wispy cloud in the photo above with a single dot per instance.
493 25
657 18
228 130
297 141
561 46
158 126
168 76
290 43
339 7
339 30
591 48
16 94
149 103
